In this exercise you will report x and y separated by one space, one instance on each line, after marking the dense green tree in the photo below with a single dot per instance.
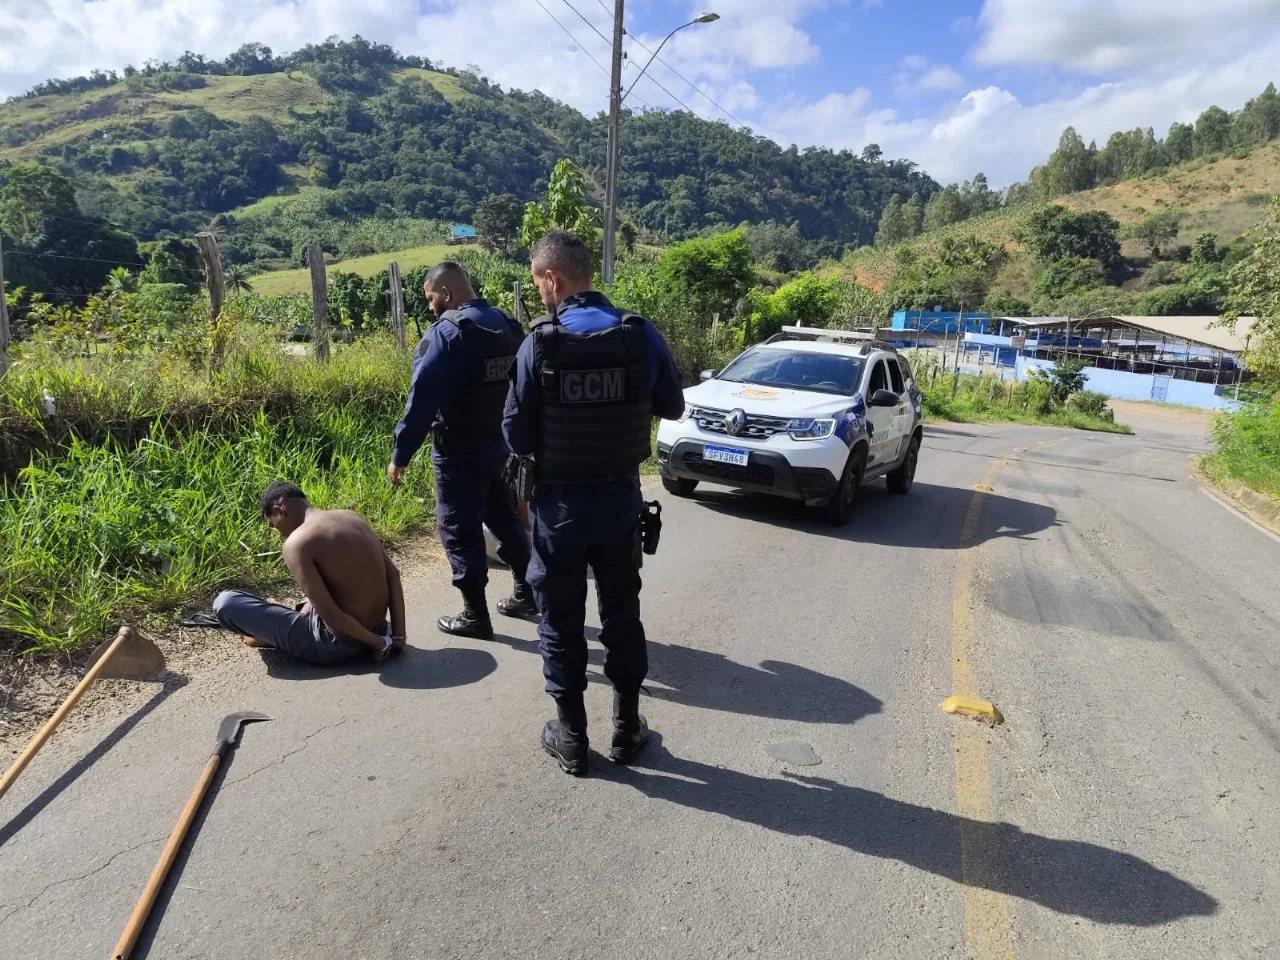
1056 232
1158 230
497 220
712 273
1213 131
1205 250
51 245
945 207
1254 284
1259 120
1071 167
173 261
913 215
567 208
894 225
777 247
1067 275
1180 143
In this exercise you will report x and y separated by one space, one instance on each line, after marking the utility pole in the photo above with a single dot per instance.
611 159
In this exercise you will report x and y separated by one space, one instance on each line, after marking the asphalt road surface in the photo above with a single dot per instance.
806 796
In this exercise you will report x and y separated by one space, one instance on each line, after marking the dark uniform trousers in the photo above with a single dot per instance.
470 492
576 526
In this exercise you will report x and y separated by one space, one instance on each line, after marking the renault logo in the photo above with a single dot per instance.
734 421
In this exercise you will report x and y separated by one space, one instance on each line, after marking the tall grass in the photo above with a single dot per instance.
143 491
1248 447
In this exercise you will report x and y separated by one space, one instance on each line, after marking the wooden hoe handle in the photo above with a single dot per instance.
59 715
133 928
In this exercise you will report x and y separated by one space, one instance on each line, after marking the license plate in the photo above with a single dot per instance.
725 455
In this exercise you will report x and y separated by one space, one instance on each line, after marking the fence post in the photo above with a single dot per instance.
319 302
4 320
397 306
518 291
212 272
955 383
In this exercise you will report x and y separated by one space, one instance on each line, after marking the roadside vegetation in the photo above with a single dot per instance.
130 478
1054 398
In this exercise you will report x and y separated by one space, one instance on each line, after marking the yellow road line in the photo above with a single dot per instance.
987 916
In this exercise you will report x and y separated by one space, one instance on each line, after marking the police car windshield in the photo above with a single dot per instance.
797 370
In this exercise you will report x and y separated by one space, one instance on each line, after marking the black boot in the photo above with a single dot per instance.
520 604
630 728
473 621
565 738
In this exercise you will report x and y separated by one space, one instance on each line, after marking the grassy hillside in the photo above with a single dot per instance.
299 281
34 127
1221 196
172 147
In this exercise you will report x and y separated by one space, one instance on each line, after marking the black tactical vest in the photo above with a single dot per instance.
472 421
596 408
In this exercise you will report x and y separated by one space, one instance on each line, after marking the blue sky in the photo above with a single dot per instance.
956 85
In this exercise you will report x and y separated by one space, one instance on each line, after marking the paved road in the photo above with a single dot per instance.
806 798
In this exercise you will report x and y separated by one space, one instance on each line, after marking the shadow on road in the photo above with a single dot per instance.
414 669
774 690
1067 876
929 518
173 682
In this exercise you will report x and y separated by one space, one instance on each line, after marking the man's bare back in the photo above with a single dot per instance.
350 560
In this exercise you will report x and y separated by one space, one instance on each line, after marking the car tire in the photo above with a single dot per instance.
901 477
679 486
840 507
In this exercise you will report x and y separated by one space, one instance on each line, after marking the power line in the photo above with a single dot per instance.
59 256
695 87
589 23
577 43
575 40
648 77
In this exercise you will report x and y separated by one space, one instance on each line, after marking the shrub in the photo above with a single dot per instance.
1091 404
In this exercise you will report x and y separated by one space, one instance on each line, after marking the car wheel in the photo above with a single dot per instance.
679 486
901 477
840 509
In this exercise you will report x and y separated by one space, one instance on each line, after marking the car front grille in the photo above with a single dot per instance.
756 473
756 427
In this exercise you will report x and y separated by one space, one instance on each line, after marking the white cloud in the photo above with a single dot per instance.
920 75
992 130
1105 35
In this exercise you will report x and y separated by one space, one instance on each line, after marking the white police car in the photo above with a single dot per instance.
810 415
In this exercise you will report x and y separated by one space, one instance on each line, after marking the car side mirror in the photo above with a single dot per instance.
706 375
884 398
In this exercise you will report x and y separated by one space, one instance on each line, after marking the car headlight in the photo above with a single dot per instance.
688 412
809 429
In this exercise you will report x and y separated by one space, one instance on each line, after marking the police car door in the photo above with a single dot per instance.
901 413
880 419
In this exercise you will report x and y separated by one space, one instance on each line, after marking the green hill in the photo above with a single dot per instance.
1222 196
175 147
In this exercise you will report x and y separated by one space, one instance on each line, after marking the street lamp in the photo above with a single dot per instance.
616 96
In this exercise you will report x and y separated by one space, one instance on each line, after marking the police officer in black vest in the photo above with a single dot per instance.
457 395
586 386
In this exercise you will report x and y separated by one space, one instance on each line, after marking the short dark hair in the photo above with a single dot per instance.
448 270
278 493
561 251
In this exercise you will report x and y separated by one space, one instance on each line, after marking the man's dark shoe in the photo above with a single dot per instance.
565 737
520 604
630 729
473 621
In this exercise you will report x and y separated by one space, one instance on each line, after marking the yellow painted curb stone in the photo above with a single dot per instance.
973 707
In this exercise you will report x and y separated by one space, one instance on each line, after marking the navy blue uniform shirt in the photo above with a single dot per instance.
588 312
437 379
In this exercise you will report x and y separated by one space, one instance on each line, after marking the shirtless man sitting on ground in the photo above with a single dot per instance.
349 581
